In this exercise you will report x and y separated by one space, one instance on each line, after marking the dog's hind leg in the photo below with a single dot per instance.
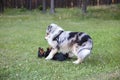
82 55
52 53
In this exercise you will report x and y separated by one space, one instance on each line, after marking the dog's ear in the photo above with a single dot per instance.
49 48
49 28
41 50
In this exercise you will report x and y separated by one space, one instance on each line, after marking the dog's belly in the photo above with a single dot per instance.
65 48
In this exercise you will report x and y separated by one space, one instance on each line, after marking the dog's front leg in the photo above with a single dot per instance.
52 53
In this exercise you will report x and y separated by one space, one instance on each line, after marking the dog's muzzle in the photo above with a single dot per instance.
46 36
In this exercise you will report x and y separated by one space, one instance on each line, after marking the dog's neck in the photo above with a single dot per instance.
56 37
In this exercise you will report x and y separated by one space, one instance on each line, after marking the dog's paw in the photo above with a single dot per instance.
77 62
48 58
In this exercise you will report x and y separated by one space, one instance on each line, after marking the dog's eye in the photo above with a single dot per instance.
47 33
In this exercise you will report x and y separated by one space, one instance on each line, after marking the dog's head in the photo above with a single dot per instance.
51 30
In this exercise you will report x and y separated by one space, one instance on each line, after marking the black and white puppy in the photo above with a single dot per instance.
78 43
59 56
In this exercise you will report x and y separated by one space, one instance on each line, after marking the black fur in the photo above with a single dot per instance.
47 52
72 34
77 35
80 33
60 56
57 37
84 39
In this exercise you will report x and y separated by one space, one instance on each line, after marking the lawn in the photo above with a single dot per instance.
22 32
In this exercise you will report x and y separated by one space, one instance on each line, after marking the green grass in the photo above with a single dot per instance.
22 32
